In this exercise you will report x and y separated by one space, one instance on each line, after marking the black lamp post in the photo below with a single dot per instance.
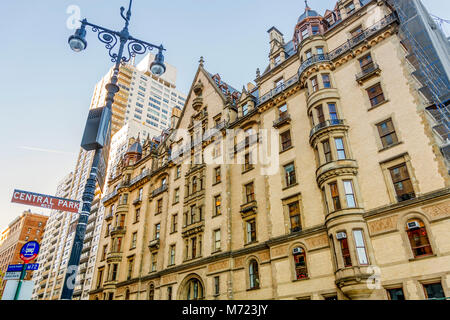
78 43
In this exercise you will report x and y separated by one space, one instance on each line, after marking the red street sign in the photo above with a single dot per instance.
45 201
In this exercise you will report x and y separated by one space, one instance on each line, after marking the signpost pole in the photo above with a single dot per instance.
19 285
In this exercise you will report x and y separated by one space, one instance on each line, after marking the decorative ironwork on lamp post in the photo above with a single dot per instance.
102 135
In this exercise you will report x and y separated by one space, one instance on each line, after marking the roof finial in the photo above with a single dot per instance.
306 4
202 61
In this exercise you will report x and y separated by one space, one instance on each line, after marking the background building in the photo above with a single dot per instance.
351 203
27 227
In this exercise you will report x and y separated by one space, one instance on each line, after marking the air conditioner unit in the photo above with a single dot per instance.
297 250
341 235
413 225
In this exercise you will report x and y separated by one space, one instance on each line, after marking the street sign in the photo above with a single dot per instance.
12 276
19 267
29 251
45 201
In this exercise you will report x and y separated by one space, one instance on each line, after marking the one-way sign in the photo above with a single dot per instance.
19 267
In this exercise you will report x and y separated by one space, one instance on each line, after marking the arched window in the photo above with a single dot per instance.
301 271
194 290
418 238
151 292
253 274
194 184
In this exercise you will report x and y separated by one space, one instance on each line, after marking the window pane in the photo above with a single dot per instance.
360 247
434 291
396 294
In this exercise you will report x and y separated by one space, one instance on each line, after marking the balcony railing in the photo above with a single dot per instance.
154 244
325 124
367 71
317 58
364 35
117 230
272 93
283 118
144 174
406 196
159 190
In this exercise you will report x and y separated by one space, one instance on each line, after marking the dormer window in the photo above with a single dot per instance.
305 33
350 8
245 109
279 83
277 60
315 29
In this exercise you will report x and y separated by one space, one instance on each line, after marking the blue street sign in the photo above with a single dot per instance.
18 267
29 251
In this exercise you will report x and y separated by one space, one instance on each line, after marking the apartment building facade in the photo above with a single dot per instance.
348 200
27 227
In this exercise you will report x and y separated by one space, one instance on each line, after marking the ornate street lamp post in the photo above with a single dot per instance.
134 47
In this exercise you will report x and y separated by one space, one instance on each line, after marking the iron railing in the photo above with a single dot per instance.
325 124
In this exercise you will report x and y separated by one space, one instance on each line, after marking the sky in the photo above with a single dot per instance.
46 89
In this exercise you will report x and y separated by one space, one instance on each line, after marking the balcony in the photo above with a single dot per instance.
406 196
137 202
369 70
109 217
334 168
363 36
88 236
313 60
193 228
326 124
117 231
144 174
281 88
114 257
283 119
159 190
154 244
248 208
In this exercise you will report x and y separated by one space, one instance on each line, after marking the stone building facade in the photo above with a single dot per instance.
319 182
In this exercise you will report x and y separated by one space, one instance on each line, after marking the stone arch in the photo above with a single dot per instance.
294 264
192 288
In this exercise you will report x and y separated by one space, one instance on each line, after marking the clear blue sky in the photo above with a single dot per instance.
46 88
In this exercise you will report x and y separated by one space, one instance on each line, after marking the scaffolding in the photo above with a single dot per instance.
429 53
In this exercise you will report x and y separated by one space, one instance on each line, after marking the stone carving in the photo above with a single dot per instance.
383 225
218 266
317 242
438 210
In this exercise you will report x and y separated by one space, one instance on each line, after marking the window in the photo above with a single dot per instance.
133 240
279 83
130 268
174 222
251 230
114 272
418 238
253 274
178 172
349 195
350 8
151 292
157 230
216 285
169 293
320 115
141 191
172 255
396 294
294 216
289 171
376 95
137 213
105 248
360 247
326 81
176 195
366 63
286 140
217 176
305 33
245 109
153 261
248 163
194 184
402 183
315 29
217 205
159 205
193 247
327 151
100 277
192 216
335 196
387 133
345 252
249 193
434 291
217 240
314 84
282 111
194 290
319 50
340 148
301 271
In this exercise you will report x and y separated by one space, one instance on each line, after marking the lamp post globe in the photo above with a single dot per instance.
158 67
77 41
